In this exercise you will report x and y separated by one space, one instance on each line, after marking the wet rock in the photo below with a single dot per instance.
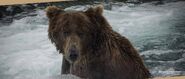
2 11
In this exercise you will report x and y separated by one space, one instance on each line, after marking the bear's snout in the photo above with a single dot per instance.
73 53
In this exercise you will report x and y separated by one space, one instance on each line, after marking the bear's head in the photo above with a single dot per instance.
75 33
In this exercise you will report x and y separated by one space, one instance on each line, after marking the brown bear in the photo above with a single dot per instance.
91 49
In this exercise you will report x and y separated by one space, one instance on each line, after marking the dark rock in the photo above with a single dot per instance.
2 11
1 15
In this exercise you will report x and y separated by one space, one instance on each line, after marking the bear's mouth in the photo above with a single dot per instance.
72 59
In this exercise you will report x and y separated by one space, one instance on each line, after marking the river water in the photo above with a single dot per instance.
158 33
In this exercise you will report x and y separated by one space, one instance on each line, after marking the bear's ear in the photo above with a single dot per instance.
95 10
52 11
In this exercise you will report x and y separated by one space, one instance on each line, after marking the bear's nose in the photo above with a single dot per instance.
73 54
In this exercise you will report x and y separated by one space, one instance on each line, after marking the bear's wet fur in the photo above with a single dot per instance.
103 53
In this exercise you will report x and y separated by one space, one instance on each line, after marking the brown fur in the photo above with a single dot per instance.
104 54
